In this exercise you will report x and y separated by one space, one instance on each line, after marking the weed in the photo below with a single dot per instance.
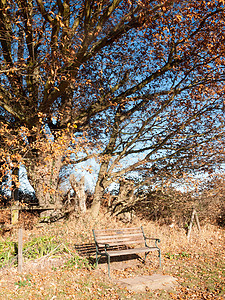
23 283
36 248
77 262
177 255
8 251
39 247
184 254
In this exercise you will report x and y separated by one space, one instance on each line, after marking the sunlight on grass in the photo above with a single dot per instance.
198 266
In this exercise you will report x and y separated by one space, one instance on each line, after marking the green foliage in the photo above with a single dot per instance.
177 255
23 283
39 247
8 251
77 262
36 248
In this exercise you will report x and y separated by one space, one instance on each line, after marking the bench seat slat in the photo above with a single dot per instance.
121 243
118 234
120 238
98 236
137 229
131 251
114 239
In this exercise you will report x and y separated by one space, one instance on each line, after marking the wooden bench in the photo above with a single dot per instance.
123 241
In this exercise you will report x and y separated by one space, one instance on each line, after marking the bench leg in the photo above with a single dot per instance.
159 251
146 253
97 259
96 264
109 266
159 258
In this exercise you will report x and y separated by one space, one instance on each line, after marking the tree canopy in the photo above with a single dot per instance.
143 78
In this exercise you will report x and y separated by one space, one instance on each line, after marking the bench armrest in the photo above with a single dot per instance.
104 245
155 239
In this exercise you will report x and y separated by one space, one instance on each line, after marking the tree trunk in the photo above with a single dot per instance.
99 189
79 191
96 204
125 200
82 196
44 177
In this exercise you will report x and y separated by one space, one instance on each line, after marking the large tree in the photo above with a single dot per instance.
76 71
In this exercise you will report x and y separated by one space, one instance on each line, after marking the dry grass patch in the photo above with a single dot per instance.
198 264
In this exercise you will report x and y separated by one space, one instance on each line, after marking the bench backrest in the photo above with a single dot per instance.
117 237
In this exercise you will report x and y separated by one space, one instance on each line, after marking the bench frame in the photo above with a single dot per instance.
108 242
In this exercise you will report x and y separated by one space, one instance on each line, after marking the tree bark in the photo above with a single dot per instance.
44 176
96 204
100 187
79 191
125 199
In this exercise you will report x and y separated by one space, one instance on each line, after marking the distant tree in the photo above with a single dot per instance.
145 76
158 148
211 199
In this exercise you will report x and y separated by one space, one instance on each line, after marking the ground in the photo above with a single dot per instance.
197 264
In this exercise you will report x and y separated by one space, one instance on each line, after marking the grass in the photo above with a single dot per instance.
35 248
198 264
7 252
205 274
39 248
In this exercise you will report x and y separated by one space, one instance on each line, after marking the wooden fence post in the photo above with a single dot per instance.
20 250
14 214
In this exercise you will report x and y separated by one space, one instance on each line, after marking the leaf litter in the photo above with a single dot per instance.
198 265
